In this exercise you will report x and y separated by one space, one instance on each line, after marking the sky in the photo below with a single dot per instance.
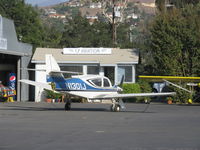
44 2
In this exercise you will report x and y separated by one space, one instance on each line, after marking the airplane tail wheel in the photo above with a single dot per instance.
67 106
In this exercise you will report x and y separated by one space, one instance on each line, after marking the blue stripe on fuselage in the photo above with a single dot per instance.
73 84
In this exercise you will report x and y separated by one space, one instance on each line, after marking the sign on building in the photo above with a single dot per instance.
87 51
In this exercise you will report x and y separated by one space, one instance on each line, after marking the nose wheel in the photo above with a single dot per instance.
117 105
115 108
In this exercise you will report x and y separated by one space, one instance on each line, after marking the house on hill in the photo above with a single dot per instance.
90 13
148 6
95 5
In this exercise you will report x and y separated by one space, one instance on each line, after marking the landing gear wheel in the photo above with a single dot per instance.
67 106
115 108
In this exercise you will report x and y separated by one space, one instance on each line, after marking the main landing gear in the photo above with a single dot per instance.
67 104
115 108
117 105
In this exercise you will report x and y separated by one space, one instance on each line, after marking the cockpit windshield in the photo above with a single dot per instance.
100 82
96 82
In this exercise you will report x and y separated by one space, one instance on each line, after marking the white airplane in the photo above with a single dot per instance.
91 87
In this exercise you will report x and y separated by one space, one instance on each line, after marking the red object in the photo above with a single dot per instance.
12 78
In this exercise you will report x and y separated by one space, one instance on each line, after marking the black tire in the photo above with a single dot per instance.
67 106
117 108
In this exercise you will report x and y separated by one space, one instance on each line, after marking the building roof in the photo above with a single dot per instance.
90 11
118 56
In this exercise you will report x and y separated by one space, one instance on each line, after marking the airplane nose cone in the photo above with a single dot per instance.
119 89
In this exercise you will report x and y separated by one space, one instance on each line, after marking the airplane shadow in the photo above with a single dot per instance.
73 109
28 108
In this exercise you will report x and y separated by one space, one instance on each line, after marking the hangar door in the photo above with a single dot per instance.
8 64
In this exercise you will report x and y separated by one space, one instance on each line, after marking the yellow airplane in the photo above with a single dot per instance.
191 82
171 78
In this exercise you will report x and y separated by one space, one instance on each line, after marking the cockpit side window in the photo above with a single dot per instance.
106 83
96 82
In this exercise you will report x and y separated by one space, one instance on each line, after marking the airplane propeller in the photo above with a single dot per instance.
120 84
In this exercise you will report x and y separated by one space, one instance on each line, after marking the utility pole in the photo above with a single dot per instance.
114 34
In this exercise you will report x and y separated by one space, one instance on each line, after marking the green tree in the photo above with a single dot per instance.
102 34
79 33
160 4
52 37
175 44
178 3
123 38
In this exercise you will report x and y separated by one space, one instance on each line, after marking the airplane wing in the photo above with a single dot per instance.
38 84
133 95
170 78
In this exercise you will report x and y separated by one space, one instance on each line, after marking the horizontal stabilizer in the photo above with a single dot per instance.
38 84
67 72
31 69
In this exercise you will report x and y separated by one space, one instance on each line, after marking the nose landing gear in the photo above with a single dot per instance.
117 105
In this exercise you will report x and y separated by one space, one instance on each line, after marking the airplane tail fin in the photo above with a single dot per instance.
51 64
52 67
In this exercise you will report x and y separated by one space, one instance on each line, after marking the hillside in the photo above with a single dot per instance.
131 11
43 3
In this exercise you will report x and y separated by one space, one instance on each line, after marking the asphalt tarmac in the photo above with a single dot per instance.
43 126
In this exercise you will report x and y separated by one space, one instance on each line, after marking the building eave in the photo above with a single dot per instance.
13 53
68 62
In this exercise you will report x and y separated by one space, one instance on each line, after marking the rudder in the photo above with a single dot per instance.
51 64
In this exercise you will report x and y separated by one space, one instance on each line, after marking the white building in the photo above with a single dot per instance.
95 5
110 62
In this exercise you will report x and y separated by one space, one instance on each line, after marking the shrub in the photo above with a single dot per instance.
181 95
145 88
52 94
140 87
131 88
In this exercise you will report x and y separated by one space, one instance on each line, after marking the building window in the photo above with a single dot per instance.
125 71
93 70
78 69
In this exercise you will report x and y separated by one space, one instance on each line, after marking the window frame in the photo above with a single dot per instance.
119 76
